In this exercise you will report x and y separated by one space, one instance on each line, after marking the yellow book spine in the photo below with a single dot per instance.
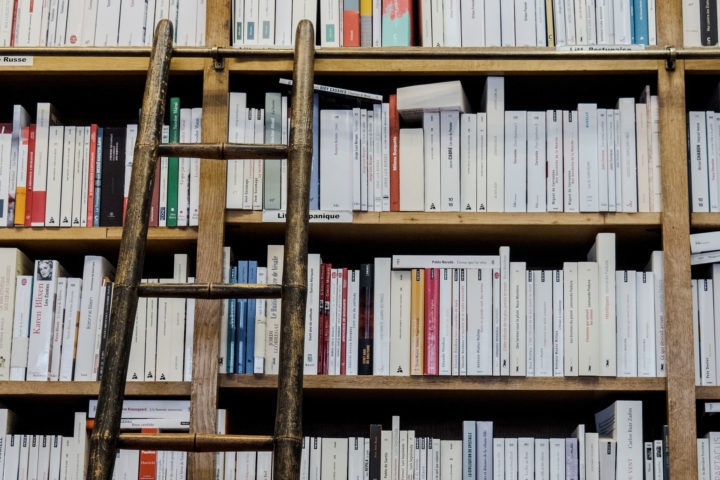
417 321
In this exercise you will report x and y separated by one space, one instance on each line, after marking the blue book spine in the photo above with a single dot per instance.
250 337
98 178
241 320
640 22
231 327
315 170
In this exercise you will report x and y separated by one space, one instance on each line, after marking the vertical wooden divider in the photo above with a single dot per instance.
676 246
211 237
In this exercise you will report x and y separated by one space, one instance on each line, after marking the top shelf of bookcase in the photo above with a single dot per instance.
84 65
57 390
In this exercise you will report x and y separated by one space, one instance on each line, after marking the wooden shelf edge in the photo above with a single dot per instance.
90 389
464 384
240 217
707 393
97 65
705 220
100 234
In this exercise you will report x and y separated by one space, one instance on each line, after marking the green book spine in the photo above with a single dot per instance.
173 164
273 134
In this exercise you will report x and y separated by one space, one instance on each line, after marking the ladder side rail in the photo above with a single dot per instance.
288 417
103 442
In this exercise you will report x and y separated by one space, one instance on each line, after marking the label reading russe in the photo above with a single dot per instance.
16 61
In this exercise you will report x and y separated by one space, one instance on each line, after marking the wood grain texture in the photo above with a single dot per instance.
676 245
195 442
707 393
669 28
90 389
705 220
211 238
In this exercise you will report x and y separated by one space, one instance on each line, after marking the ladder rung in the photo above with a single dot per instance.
223 151
194 442
209 290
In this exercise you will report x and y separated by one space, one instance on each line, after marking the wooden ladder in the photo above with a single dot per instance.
287 439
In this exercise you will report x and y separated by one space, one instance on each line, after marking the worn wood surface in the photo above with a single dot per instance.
103 441
209 290
211 239
222 151
57 390
195 442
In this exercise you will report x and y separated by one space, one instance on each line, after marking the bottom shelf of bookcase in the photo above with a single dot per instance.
74 390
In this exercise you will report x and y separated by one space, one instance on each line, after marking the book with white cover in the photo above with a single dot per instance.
557 459
479 323
266 23
412 196
260 325
6 22
558 327
623 22
703 458
504 268
445 322
132 23
353 321
554 144
493 103
336 176
622 421
570 161
507 22
57 329
34 450
602 159
525 28
469 463
646 322
704 242
95 269
611 159
511 458
45 284
70 325
592 465
18 163
21 327
455 321
400 323
481 148
589 328
89 23
626 323
272 327
13 264
87 138
472 13
364 137
543 323
136 363
696 332
431 155
526 457
515 161
530 322
570 319
641 149
484 447
542 458
468 162
46 116
603 252
407 262
654 152
77 176
302 10
236 134
452 24
517 319
312 317
588 157
381 312
68 167
183 194
5 155
628 163
330 35
450 161
536 164
195 137
498 459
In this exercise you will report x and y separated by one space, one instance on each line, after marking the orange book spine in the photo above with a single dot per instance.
20 189
148 460
394 155
417 321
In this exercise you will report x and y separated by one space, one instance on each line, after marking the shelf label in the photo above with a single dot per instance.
16 61
316 216
600 48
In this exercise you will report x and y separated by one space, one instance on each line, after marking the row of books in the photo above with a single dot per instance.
615 451
53 326
87 23
53 457
586 160
151 464
700 23
703 151
494 23
458 315
705 301
708 451
79 176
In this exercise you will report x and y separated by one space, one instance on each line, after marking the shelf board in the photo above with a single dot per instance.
73 239
705 220
434 385
441 61
559 228
68 390
99 65
702 66
707 393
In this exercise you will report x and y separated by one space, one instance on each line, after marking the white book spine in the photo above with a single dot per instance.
494 100
163 210
330 25
42 316
536 162
252 184
463 322
525 26
260 325
496 321
236 134
554 139
589 345
381 312
272 333
445 323
622 23
336 177
515 161
603 252
557 323
132 23
468 162
252 17
312 317
266 22
654 150
570 161
482 167
543 324
643 167
626 323
611 159
411 164
364 159
5 158
196 137
703 458
628 156
530 322
72 317
386 156
450 165
66 196
84 160
618 163
472 15
602 160
353 322
479 346
657 267
452 25
89 22
455 322
588 157
431 155
696 332
504 310
57 330
377 157
518 330
21 327
238 26
400 322
646 323
183 194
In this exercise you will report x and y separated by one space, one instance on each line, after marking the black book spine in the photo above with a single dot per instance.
113 177
106 322
708 22
375 446
365 347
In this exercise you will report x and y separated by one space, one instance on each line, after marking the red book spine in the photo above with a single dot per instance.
148 460
91 174
343 320
155 204
14 20
432 320
351 28
30 174
321 325
394 156
326 329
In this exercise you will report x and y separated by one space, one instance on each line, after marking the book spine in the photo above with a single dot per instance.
558 326
394 155
77 176
271 175
21 183
366 347
518 330
351 24
29 192
417 336
67 177
468 162
432 321
84 178
91 173
397 28
343 286
530 322
173 165
449 161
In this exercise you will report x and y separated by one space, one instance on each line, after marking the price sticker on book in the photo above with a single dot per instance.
316 216
16 61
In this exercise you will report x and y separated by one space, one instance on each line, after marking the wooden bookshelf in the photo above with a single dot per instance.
669 230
